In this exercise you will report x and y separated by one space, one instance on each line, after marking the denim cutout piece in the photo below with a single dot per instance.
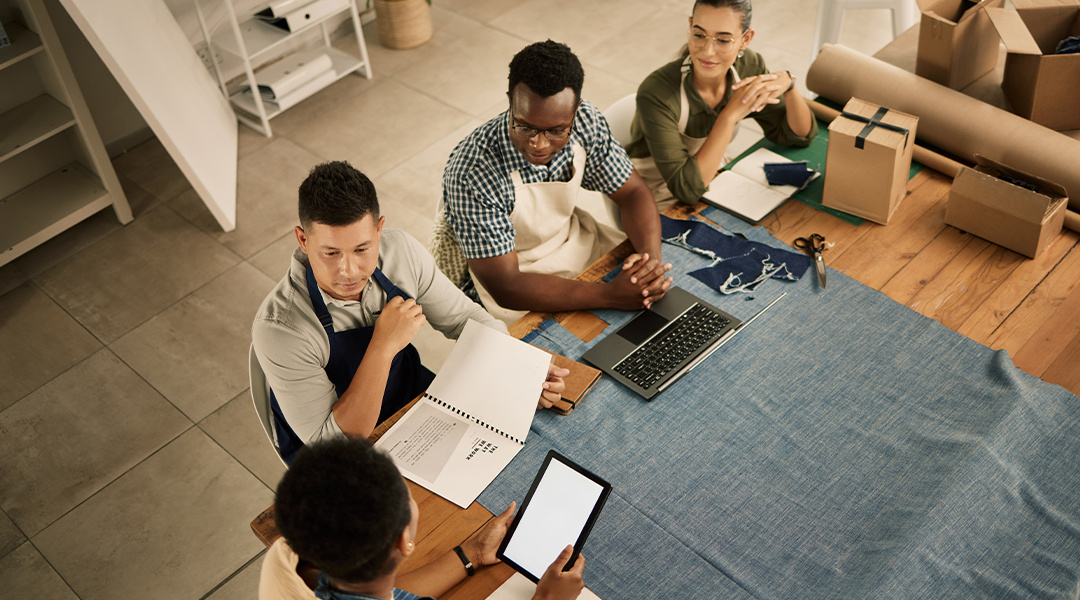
1069 45
737 265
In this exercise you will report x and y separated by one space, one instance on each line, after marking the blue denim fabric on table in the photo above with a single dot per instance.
735 264
841 446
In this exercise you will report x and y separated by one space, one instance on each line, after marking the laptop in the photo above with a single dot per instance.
663 342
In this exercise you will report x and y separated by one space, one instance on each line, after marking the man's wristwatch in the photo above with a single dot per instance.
792 86
469 568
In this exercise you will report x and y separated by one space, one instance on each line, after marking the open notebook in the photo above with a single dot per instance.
742 189
473 419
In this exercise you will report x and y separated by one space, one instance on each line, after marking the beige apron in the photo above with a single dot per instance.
552 235
646 167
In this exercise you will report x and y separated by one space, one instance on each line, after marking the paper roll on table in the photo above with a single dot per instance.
956 123
941 164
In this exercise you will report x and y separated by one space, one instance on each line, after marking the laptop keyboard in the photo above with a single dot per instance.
647 365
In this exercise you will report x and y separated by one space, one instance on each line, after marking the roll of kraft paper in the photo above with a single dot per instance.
948 119
934 160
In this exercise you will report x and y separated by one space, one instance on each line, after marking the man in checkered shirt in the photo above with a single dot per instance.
511 187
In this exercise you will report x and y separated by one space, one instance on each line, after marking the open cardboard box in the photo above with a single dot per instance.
867 165
1040 85
1004 213
957 42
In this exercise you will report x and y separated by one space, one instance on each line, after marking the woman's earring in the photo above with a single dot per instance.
740 53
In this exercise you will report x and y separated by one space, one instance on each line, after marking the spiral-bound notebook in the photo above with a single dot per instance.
473 419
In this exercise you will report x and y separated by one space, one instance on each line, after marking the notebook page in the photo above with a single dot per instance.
494 378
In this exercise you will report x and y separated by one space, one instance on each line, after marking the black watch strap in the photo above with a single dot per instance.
469 568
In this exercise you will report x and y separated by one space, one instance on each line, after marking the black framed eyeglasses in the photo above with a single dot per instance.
554 135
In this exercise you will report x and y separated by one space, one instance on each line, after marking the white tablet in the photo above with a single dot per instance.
560 509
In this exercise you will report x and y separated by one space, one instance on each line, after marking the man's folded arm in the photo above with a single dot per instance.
294 371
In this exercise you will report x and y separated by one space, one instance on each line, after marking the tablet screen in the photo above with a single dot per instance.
558 511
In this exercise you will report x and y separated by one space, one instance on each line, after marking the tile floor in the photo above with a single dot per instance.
131 461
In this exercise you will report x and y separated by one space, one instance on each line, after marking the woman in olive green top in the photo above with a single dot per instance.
689 110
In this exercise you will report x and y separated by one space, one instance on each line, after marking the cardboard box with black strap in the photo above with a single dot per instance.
869 157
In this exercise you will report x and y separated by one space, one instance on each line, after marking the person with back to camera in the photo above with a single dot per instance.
688 111
348 521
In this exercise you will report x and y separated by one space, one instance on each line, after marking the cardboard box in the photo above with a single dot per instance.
1004 213
957 42
869 157
1040 85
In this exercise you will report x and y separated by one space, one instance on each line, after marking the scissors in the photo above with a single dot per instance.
814 246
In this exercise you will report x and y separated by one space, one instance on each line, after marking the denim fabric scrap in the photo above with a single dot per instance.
738 265
1069 45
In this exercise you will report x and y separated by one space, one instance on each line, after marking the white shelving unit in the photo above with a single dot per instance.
54 171
254 41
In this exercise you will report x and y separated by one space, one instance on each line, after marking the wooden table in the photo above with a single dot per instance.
992 295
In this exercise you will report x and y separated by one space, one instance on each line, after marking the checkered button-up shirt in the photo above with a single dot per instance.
479 196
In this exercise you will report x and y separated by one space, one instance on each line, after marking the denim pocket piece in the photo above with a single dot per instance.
737 265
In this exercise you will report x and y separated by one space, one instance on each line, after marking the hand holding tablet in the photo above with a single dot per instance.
559 511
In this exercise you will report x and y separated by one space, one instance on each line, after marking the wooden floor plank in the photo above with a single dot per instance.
915 275
959 289
1055 334
1065 370
880 255
1038 306
1008 296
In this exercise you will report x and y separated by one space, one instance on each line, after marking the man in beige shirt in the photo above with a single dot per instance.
334 336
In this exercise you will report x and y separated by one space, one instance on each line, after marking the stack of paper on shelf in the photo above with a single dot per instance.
295 77
294 15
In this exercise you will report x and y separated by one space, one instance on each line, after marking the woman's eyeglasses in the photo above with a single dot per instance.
699 40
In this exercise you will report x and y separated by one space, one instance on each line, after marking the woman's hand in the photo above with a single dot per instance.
751 94
481 548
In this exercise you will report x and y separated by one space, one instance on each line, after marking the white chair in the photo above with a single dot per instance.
260 396
619 116
831 15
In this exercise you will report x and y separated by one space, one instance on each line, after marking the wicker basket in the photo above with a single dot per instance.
403 23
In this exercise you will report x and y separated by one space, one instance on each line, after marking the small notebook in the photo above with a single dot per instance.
581 379
474 417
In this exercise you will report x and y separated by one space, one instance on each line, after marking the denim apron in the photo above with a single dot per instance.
407 379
